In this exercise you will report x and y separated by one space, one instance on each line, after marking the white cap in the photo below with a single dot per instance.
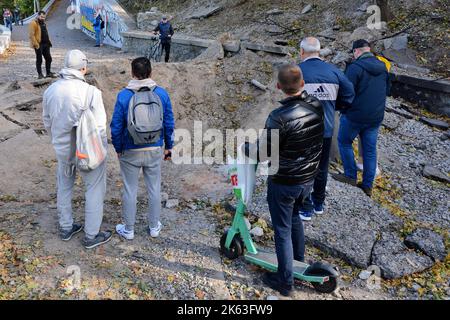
75 59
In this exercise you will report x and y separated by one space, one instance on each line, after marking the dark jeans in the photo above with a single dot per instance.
43 51
284 202
348 131
8 24
320 182
165 46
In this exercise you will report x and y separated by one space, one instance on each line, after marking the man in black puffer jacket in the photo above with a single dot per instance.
297 128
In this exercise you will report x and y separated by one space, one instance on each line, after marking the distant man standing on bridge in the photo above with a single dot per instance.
40 42
328 84
165 35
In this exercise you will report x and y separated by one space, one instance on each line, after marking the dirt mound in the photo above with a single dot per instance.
217 93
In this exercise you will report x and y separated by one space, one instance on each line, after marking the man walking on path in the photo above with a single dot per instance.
165 35
371 81
328 84
62 105
155 107
40 42
297 127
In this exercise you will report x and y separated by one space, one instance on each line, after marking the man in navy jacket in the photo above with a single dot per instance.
328 84
165 30
134 157
371 81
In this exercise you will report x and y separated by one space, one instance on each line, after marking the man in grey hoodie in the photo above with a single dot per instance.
62 107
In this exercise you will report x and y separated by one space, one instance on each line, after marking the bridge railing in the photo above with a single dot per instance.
34 16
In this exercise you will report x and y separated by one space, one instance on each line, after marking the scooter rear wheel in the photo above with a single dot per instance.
236 247
326 287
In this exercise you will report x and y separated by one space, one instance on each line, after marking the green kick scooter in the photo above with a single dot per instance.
322 276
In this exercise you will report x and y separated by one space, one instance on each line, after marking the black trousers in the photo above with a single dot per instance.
166 47
43 51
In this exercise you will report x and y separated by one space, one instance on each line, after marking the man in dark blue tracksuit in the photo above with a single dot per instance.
371 81
165 35
328 84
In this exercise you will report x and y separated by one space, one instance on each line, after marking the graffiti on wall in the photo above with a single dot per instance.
114 26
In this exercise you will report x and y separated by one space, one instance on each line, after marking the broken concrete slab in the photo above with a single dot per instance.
8 87
34 180
400 112
307 9
282 50
259 85
325 52
353 242
20 99
8 129
405 56
274 12
433 173
232 46
394 259
435 123
207 12
399 42
391 122
429 242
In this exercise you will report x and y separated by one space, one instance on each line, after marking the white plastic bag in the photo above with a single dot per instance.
242 172
90 151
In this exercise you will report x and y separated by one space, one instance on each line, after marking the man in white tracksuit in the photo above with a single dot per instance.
62 105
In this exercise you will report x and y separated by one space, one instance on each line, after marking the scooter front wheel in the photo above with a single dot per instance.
236 247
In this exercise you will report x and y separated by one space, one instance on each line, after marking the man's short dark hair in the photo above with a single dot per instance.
141 68
290 78
41 12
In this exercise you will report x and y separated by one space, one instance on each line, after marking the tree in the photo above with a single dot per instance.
386 13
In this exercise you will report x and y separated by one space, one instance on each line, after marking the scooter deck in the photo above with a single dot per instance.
268 260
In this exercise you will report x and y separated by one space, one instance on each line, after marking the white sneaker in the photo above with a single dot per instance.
154 232
120 229
360 167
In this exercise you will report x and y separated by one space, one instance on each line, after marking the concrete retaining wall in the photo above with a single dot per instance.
5 38
429 94
183 48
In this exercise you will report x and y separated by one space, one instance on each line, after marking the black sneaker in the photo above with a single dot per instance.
271 280
367 191
51 75
344 179
100 238
67 235
41 76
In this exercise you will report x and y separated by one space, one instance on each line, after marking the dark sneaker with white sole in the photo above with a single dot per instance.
67 235
344 179
100 238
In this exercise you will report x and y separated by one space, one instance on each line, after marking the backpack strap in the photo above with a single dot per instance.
89 94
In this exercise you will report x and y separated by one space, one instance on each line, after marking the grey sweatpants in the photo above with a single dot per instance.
131 163
95 184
